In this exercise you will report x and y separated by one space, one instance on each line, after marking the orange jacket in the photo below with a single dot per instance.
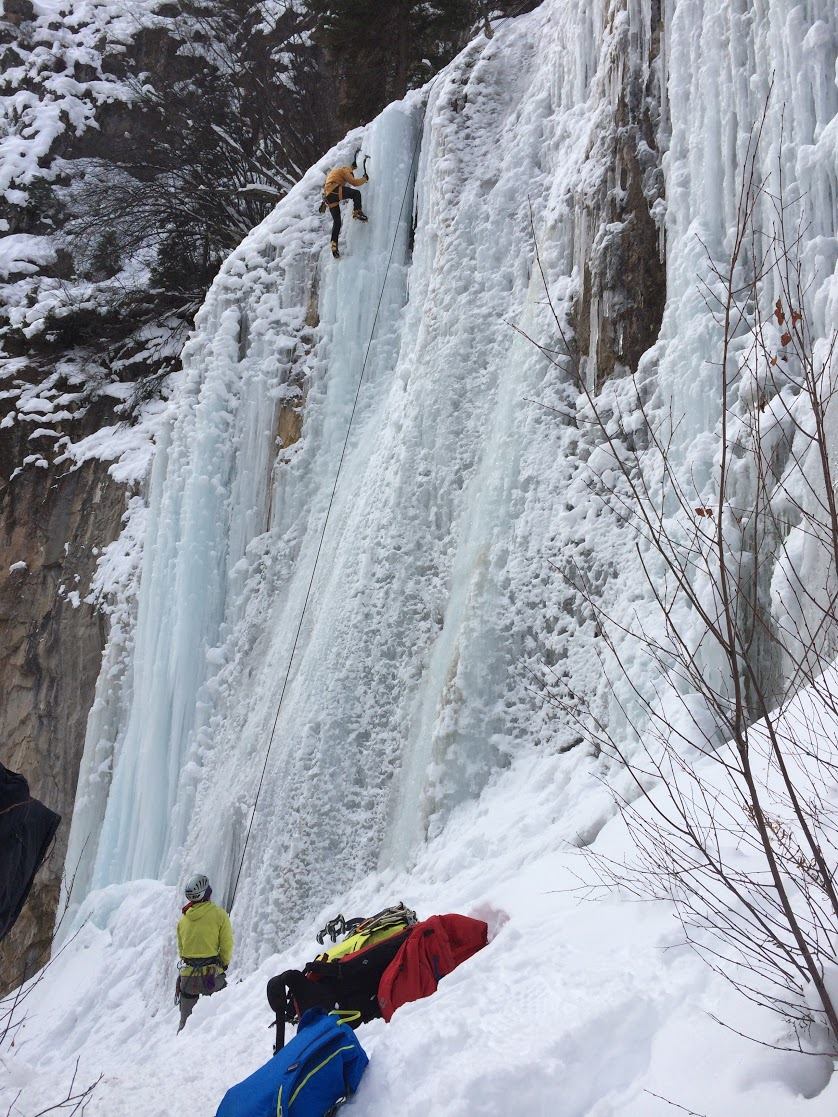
337 178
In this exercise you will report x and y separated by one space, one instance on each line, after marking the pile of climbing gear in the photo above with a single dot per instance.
346 976
313 1076
381 963
199 976
374 965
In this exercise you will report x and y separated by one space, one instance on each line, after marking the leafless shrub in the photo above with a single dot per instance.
74 1103
745 845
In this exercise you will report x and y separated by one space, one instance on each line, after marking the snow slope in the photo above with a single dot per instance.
582 1005
414 756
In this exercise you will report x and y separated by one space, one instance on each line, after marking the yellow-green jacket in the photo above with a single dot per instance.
204 931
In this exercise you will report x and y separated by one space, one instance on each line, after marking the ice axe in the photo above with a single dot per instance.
355 162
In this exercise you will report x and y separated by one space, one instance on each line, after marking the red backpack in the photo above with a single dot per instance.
433 949
383 962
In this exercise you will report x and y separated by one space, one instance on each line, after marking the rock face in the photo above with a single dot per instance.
54 521
623 290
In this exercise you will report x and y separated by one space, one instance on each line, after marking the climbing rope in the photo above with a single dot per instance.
337 477
329 509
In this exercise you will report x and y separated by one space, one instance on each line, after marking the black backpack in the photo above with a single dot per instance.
345 977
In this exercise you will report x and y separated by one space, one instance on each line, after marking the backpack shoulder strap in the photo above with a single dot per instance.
278 996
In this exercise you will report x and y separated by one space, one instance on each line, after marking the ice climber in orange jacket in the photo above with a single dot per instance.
337 188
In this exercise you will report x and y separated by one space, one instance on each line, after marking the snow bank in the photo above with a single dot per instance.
583 1004
23 254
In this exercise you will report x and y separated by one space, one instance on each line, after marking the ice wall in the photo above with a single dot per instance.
435 604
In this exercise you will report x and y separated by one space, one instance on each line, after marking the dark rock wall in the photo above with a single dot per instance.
56 521
623 293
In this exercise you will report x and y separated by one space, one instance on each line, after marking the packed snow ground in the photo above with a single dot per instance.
578 1007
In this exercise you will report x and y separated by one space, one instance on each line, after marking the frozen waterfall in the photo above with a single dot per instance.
434 597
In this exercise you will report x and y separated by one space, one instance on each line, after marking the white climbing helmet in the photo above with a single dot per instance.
196 887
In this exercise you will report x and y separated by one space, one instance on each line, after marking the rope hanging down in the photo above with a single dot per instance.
328 510
509 15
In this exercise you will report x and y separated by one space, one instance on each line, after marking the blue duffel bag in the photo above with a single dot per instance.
311 1076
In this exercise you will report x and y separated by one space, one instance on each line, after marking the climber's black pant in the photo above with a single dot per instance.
333 201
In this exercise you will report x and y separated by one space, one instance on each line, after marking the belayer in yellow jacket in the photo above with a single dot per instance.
205 946
337 188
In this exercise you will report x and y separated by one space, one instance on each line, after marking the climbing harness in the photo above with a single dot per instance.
331 502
